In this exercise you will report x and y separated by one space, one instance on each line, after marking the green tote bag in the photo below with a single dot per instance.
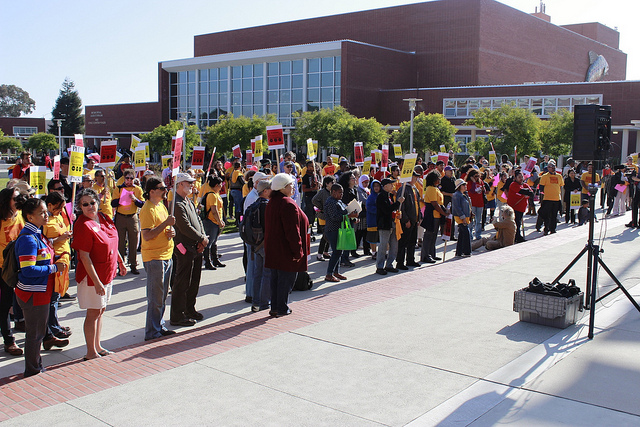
346 236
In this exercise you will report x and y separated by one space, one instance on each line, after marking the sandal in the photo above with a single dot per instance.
331 279
104 353
86 359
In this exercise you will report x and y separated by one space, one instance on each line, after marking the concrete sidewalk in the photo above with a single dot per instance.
439 345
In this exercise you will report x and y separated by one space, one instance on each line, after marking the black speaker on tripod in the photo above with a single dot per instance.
591 132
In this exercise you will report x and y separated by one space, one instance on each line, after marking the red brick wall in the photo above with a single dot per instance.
140 117
598 32
7 124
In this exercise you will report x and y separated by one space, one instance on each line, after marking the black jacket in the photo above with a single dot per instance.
385 208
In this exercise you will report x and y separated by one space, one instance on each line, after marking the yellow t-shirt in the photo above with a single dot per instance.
214 199
552 184
433 194
501 196
54 228
160 247
132 208
9 231
90 172
105 205
586 177
235 175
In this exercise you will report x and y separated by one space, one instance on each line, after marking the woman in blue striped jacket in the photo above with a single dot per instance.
33 290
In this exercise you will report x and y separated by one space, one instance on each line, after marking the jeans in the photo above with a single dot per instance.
518 218
281 284
250 267
53 324
387 237
429 241
237 202
128 230
35 320
261 283
213 231
158 278
477 222
334 262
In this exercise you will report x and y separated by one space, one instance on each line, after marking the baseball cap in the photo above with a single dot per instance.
386 181
182 177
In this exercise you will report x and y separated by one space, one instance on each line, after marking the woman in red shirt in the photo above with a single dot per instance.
517 198
475 188
95 238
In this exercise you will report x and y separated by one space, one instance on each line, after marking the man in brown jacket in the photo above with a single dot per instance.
505 232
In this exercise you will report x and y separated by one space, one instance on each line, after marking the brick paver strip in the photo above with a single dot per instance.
73 379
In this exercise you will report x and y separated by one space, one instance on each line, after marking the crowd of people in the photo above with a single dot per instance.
176 221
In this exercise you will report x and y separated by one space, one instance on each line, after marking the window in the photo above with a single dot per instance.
25 130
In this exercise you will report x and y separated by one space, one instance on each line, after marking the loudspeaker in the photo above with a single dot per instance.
591 132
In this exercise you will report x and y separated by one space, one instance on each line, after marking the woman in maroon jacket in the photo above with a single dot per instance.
517 197
286 244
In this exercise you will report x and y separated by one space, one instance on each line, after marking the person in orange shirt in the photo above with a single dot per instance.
552 183
330 168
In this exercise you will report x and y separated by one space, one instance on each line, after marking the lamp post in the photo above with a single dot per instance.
59 136
412 108
184 118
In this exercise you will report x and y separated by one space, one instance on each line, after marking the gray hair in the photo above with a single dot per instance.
508 213
85 192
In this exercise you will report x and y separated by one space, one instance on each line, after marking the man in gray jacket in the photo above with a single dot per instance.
190 241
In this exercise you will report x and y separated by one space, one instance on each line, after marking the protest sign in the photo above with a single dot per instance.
358 150
275 137
76 160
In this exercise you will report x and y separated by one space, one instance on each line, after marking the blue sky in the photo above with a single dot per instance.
111 49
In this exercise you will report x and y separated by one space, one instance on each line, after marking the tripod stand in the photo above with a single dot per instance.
593 261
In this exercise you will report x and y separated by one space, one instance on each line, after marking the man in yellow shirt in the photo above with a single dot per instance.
585 180
127 198
157 249
552 183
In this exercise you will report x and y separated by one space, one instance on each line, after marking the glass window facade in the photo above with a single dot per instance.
24 130
543 106
281 88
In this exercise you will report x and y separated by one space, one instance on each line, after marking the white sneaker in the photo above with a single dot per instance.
319 257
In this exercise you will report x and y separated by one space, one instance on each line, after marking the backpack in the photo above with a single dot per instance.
204 212
252 226
10 266
303 282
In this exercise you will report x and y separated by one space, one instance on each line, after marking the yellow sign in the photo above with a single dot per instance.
443 148
397 151
146 150
134 142
140 159
434 158
76 161
366 168
408 166
575 199
38 179
311 150
335 158
257 153
166 161
634 157
492 159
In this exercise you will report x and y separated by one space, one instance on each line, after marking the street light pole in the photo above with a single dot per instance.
412 109
59 136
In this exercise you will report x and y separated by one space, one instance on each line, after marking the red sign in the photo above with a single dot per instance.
108 154
177 153
384 163
236 151
359 153
79 138
197 159
275 136
253 145
249 157
56 167
173 143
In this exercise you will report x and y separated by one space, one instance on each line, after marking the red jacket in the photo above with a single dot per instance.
516 200
476 190
285 234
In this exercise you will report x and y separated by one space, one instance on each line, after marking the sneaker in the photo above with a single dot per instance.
392 270
347 264
381 271
67 297
319 257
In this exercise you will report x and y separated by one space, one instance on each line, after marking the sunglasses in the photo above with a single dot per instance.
161 188
128 177
84 205
58 188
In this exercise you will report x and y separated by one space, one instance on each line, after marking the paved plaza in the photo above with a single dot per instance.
439 345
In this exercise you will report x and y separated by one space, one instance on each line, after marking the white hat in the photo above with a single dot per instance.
182 177
280 181
258 176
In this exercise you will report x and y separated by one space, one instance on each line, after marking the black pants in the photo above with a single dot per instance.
323 246
281 284
550 216
635 206
6 301
407 245
429 241
361 236
463 247
186 283
518 218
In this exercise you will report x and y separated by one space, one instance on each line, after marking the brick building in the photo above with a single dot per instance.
457 55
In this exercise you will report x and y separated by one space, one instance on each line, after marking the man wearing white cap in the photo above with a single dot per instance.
190 241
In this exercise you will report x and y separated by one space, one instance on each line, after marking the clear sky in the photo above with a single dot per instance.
111 49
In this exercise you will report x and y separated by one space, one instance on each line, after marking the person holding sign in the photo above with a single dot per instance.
387 211
102 189
127 198
571 186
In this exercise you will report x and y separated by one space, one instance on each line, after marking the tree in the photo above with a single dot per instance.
8 143
339 129
42 142
556 134
230 131
69 108
430 131
15 101
159 139
511 127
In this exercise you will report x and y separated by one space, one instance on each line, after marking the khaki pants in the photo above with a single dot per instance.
491 243
128 230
